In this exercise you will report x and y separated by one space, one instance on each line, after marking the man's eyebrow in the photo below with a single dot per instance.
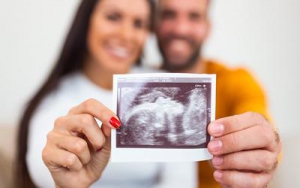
167 9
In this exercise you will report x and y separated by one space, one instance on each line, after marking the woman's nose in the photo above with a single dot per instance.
127 31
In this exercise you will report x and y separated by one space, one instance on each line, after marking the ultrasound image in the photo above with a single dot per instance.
163 117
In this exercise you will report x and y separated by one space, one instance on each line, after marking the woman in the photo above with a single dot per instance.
5 171
106 37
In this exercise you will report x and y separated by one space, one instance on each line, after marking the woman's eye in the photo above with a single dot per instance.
113 17
139 24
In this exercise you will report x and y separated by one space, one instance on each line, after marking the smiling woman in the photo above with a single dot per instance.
123 33
106 37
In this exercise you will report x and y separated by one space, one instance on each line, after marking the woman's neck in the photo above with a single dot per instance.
98 75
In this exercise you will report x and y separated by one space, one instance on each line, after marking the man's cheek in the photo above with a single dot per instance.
165 28
201 32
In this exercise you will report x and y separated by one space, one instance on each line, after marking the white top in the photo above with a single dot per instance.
73 90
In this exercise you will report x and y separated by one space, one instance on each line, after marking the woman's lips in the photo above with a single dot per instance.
119 52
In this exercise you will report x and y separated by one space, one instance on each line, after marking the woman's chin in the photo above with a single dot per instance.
119 69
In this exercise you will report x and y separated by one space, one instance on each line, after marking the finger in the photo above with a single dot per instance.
101 157
73 144
106 131
235 123
251 138
82 123
241 179
225 186
247 161
56 159
98 110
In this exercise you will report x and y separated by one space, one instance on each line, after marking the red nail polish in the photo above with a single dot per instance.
114 122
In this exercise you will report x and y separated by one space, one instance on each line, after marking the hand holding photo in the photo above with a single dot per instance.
164 117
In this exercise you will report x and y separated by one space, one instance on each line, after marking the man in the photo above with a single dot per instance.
245 146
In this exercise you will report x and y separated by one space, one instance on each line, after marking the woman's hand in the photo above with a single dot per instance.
77 149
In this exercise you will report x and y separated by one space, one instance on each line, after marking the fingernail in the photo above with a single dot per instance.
115 122
217 129
217 161
218 175
215 145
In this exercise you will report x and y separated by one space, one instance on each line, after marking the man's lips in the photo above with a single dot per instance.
178 47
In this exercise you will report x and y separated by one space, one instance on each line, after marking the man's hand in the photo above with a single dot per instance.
245 149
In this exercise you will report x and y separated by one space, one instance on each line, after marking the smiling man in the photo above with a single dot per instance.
245 145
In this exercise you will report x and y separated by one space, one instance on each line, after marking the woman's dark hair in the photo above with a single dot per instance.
70 59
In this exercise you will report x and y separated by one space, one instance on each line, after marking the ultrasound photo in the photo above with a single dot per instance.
163 114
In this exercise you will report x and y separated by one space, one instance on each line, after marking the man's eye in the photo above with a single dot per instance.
167 15
195 17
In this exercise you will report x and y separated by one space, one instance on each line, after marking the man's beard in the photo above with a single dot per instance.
187 63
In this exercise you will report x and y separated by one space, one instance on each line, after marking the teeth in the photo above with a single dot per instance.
179 45
121 52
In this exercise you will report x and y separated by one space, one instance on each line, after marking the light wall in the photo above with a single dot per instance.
262 35
31 34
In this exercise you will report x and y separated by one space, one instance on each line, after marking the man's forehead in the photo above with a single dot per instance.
183 5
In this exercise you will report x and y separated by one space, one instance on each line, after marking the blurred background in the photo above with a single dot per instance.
261 35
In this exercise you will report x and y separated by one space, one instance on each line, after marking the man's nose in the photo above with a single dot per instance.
182 26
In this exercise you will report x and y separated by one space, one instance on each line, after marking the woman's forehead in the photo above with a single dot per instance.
135 8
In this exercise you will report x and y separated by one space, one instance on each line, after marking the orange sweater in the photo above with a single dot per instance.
237 92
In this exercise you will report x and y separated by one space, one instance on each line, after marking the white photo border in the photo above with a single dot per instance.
144 154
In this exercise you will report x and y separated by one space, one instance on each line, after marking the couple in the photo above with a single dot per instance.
106 38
